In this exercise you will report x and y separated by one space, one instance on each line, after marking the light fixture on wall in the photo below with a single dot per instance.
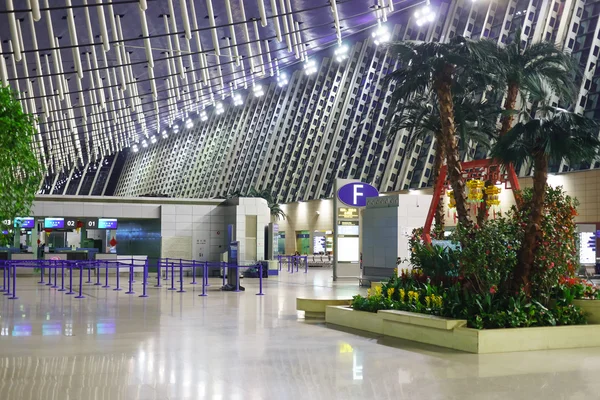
318 212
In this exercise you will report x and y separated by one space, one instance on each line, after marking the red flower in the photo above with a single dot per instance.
551 266
493 289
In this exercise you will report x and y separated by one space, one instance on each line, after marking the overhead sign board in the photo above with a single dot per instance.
54 223
107 223
25 222
355 194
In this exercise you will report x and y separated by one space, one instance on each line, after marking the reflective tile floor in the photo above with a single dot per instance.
171 345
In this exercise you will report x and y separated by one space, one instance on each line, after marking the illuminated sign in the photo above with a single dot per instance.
54 223
355 194
348 213
25 222
107 223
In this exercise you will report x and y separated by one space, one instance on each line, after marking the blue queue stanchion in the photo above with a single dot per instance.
62 278
7 291
55 280
180 278
260 282
158 273
89 271
204 272
193 282
106 285
80 296
118 288
4 266
97 269
130 280
41 264
145 282
70 280
167 269
14 284
172 277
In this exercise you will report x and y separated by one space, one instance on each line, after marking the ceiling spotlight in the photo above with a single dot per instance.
219 108
135 149
381 35
175 128
203 116
424 14
144 143
237 99
341 53
258 90
282 79
310 67
189 124
153 139
164 134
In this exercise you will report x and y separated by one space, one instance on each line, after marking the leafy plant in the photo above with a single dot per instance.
20 172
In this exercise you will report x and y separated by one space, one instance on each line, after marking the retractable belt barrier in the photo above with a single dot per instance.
293 261
53 273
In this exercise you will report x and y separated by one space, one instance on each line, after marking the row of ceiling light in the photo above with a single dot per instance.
380 36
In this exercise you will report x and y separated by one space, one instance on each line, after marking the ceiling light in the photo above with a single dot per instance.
341 53
153 139
381 35
135 149
219 108
310 67
164 134
282 79
424 14
203 116
144 143
175 128
189 124
237 99
258 91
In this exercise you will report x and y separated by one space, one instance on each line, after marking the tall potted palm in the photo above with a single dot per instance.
552 134
521 67
437 65
474 119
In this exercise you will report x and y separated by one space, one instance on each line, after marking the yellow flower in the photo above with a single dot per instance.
401 294
368 292
377 290
395 271
428 300
390 292
413 296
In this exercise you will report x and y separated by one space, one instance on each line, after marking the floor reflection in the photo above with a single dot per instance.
240 346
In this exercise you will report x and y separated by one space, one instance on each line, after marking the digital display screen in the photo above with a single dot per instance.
25 222
107 223
352 230
348 249
347 213
54 223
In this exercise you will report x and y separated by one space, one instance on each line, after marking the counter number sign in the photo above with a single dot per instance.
70 223
91 223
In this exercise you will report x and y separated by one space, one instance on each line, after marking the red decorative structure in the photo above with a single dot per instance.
477 169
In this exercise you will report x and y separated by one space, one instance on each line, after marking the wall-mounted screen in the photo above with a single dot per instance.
348 249
25 222
107 223
54 223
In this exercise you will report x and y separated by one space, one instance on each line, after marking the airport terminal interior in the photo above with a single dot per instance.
294 199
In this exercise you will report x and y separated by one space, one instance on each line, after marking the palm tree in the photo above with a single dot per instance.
554 135
276 211
475 121
519 67
437 65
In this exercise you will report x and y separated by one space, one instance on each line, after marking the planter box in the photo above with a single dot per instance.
315 308
361 320
454 334
591 309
